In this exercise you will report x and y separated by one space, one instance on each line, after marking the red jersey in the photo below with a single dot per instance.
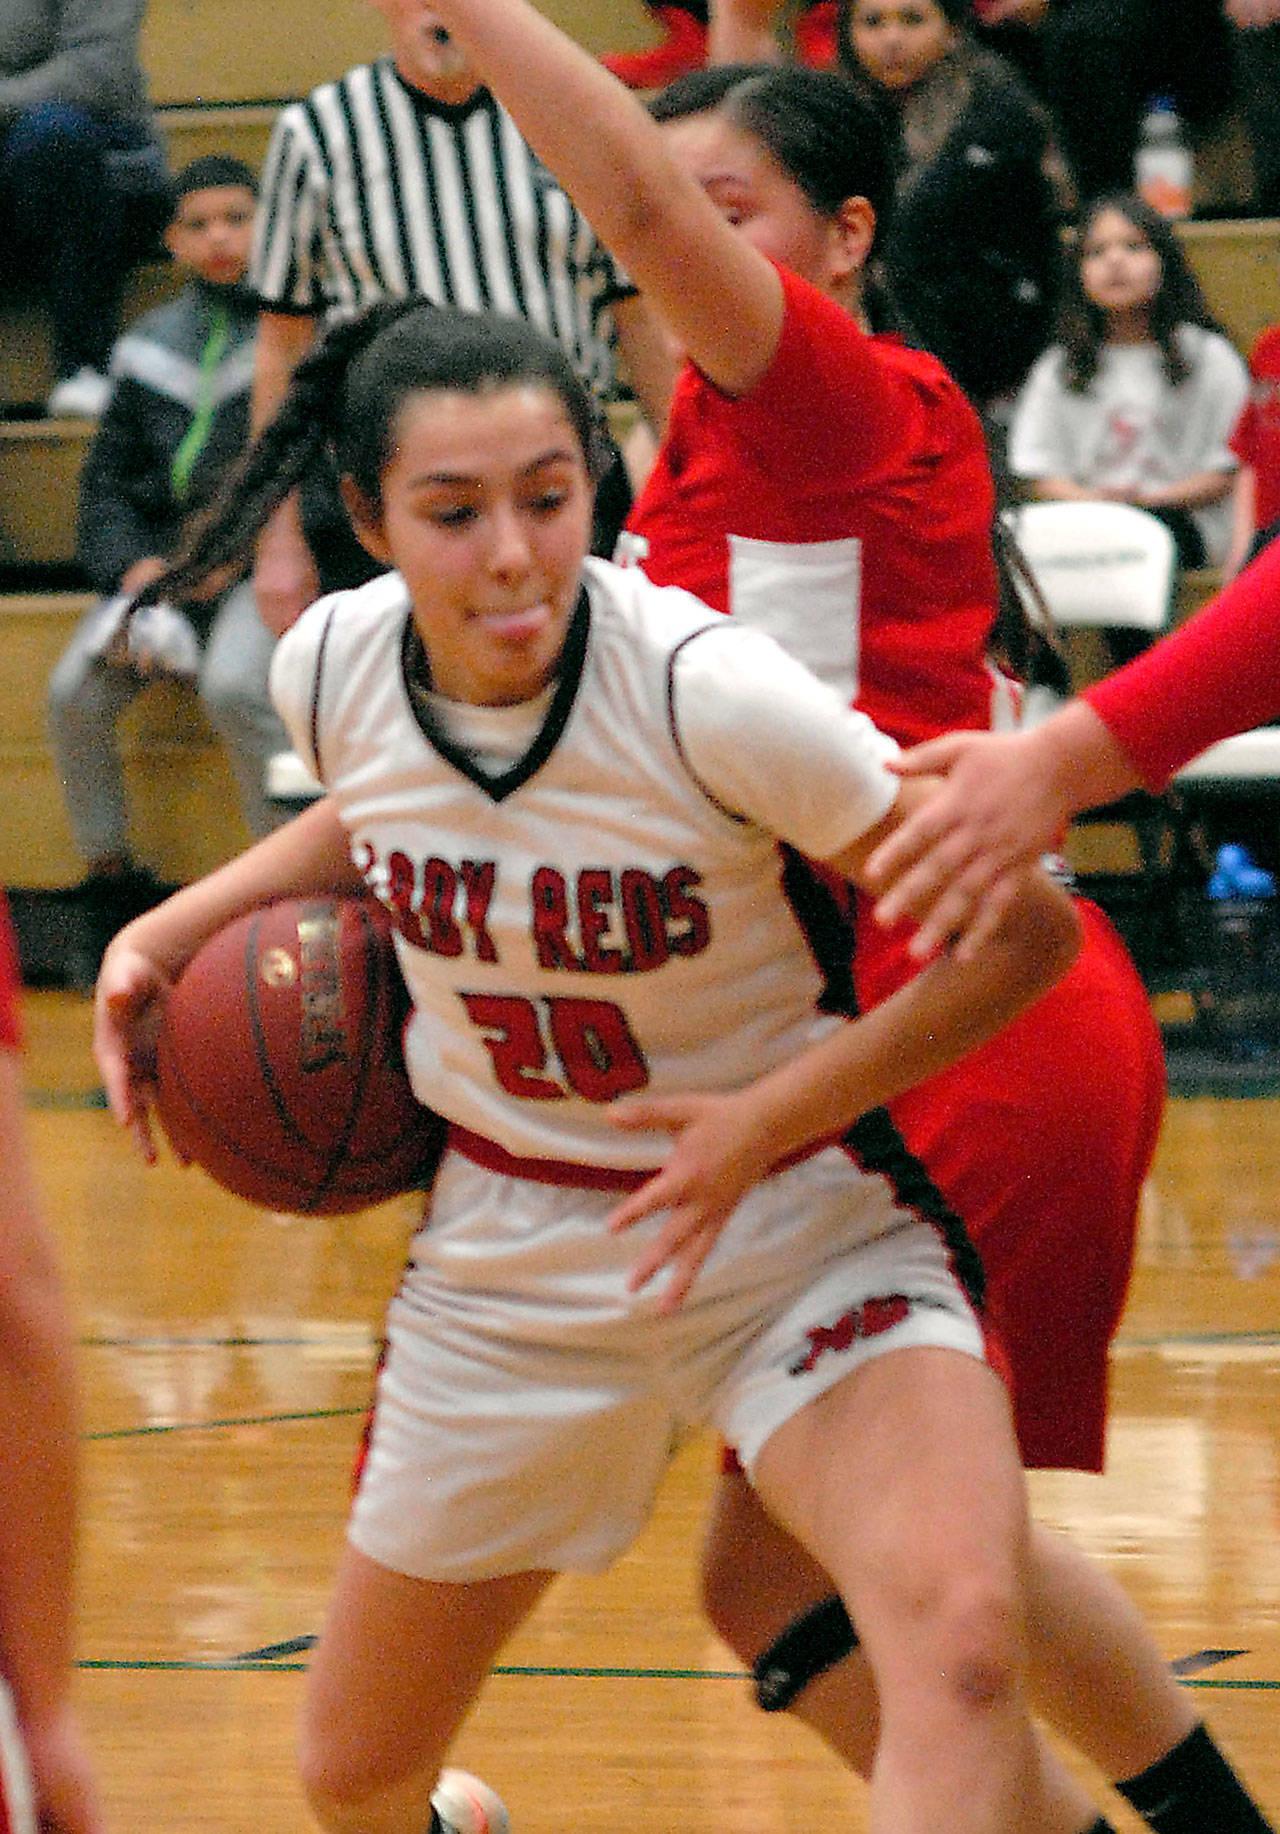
846 505
10 1015
1256 439
1218 674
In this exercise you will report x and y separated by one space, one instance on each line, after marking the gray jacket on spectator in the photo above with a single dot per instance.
128 503
79 51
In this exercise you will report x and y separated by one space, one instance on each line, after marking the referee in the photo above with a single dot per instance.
405 178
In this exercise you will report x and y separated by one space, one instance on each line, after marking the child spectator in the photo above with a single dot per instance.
177 418
1136 401
1256 443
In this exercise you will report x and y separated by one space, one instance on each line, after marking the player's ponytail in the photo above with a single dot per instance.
309 419
1023 639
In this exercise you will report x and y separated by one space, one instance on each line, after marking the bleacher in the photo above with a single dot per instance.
218 73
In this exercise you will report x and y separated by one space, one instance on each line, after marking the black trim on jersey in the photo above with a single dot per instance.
321 647
828 925
828 928
734 815
877 1145
416 669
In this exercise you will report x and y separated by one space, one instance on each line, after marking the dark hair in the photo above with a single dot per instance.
813 123
957 13
346 395
210 172
1178 300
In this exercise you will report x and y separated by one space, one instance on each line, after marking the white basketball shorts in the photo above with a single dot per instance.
528 1403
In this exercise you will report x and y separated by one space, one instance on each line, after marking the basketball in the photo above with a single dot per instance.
279 1063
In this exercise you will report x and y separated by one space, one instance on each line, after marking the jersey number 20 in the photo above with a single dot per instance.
544 1050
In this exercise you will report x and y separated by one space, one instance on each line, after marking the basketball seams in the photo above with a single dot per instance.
374 985
266 1068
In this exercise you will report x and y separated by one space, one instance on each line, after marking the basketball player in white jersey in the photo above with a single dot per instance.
571 788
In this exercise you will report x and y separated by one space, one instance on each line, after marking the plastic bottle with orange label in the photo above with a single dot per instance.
1162 169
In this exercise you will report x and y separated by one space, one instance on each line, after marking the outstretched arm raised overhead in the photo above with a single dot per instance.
720 297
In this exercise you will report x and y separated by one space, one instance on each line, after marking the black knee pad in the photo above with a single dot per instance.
812 1643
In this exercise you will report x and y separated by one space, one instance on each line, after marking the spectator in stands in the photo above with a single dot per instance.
972 251
405 177
177 418
83 181
1102 60
696 33
1137 399
1256 31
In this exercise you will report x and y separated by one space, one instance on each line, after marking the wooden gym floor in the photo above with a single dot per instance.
226 1359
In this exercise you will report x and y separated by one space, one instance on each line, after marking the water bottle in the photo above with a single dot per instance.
1162 168
1238 999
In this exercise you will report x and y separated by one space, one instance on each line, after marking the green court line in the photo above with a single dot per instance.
535 1671
206 1426
66 1098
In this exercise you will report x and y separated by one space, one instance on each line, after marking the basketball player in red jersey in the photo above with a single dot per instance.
44 1776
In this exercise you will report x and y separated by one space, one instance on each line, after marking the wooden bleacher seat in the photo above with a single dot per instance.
184 812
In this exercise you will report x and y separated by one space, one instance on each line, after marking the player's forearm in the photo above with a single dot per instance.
941 1015
308 857
1076 763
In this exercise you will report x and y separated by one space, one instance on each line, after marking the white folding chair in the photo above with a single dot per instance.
1101 566
289 784
1104 568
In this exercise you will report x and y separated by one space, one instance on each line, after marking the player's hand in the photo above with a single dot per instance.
719 1151
285 580
65 1794
954 866
128 1006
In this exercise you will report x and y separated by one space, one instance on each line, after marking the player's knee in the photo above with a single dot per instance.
964 1629
977 1635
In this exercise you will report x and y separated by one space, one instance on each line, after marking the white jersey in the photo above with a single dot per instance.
587 891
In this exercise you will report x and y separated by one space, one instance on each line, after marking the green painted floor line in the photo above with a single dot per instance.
535 1671
66 1098
207 1426
233 1665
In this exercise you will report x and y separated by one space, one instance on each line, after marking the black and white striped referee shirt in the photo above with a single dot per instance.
373 190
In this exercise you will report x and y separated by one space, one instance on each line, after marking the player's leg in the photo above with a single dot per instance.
233 691
903 1480
399 1662
86 698
1095 1673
